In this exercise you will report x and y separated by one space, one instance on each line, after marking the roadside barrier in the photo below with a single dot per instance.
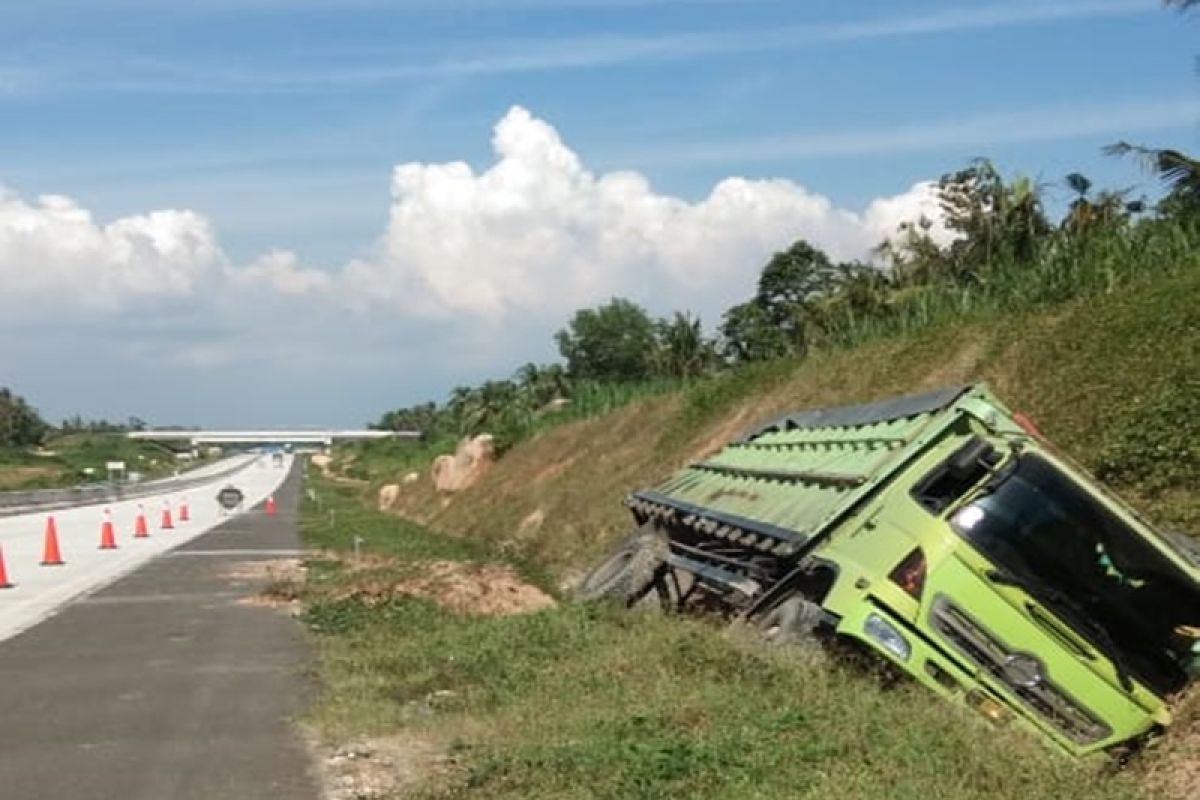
22 502
51 555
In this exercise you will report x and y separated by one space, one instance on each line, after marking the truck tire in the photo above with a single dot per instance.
629 572
792 622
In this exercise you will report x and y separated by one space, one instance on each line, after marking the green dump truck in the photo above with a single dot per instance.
944 534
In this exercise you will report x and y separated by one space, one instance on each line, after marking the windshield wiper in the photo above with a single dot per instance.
1049 594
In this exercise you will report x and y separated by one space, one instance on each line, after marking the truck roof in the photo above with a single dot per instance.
789 478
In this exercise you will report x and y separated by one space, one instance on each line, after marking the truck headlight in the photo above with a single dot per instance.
887 636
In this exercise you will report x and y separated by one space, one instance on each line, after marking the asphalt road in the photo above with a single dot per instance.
39 591
163 686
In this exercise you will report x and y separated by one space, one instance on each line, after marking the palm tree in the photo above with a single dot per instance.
1179 172
538 385
683 351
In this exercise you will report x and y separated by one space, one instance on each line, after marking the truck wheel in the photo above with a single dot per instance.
629 572
791 622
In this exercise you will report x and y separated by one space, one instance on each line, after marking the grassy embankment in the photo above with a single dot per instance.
61 462
590 703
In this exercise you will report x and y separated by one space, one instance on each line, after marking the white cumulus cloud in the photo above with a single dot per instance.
530 238
52 247
280 270
537 232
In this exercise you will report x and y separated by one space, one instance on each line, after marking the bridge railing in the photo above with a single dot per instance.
23 502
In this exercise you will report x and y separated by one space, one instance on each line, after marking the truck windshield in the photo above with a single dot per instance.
1040 526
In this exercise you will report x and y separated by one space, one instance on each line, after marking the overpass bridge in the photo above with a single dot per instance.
324 438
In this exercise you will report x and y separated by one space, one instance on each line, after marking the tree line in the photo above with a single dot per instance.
21 425
1003 253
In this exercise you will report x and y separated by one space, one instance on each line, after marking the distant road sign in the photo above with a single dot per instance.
230 497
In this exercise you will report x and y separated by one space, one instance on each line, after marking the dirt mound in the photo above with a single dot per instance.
488 589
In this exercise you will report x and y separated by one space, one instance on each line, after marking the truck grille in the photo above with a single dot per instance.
1022 674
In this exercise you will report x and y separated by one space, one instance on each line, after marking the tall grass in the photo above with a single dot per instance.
1066 269
589 398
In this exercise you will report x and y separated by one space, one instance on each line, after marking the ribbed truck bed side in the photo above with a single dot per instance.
792 477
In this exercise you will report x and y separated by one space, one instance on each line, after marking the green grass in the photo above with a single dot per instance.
594 702
1064 271
70 455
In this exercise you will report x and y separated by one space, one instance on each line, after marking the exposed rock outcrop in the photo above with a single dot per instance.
453 473
388 495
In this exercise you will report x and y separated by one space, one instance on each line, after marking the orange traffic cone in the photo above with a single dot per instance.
166 517
108 538
183 511
271 505
4 581
140 530
51 557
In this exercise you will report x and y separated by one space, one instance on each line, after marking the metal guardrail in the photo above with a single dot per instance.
21 502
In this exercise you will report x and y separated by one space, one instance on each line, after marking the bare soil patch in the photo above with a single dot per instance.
487 589
266 569
284 578
962 367
379 767
554 470
725 432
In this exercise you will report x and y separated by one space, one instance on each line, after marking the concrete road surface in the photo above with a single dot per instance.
38 590
163 686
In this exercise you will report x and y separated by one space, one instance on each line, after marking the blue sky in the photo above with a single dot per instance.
276 124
